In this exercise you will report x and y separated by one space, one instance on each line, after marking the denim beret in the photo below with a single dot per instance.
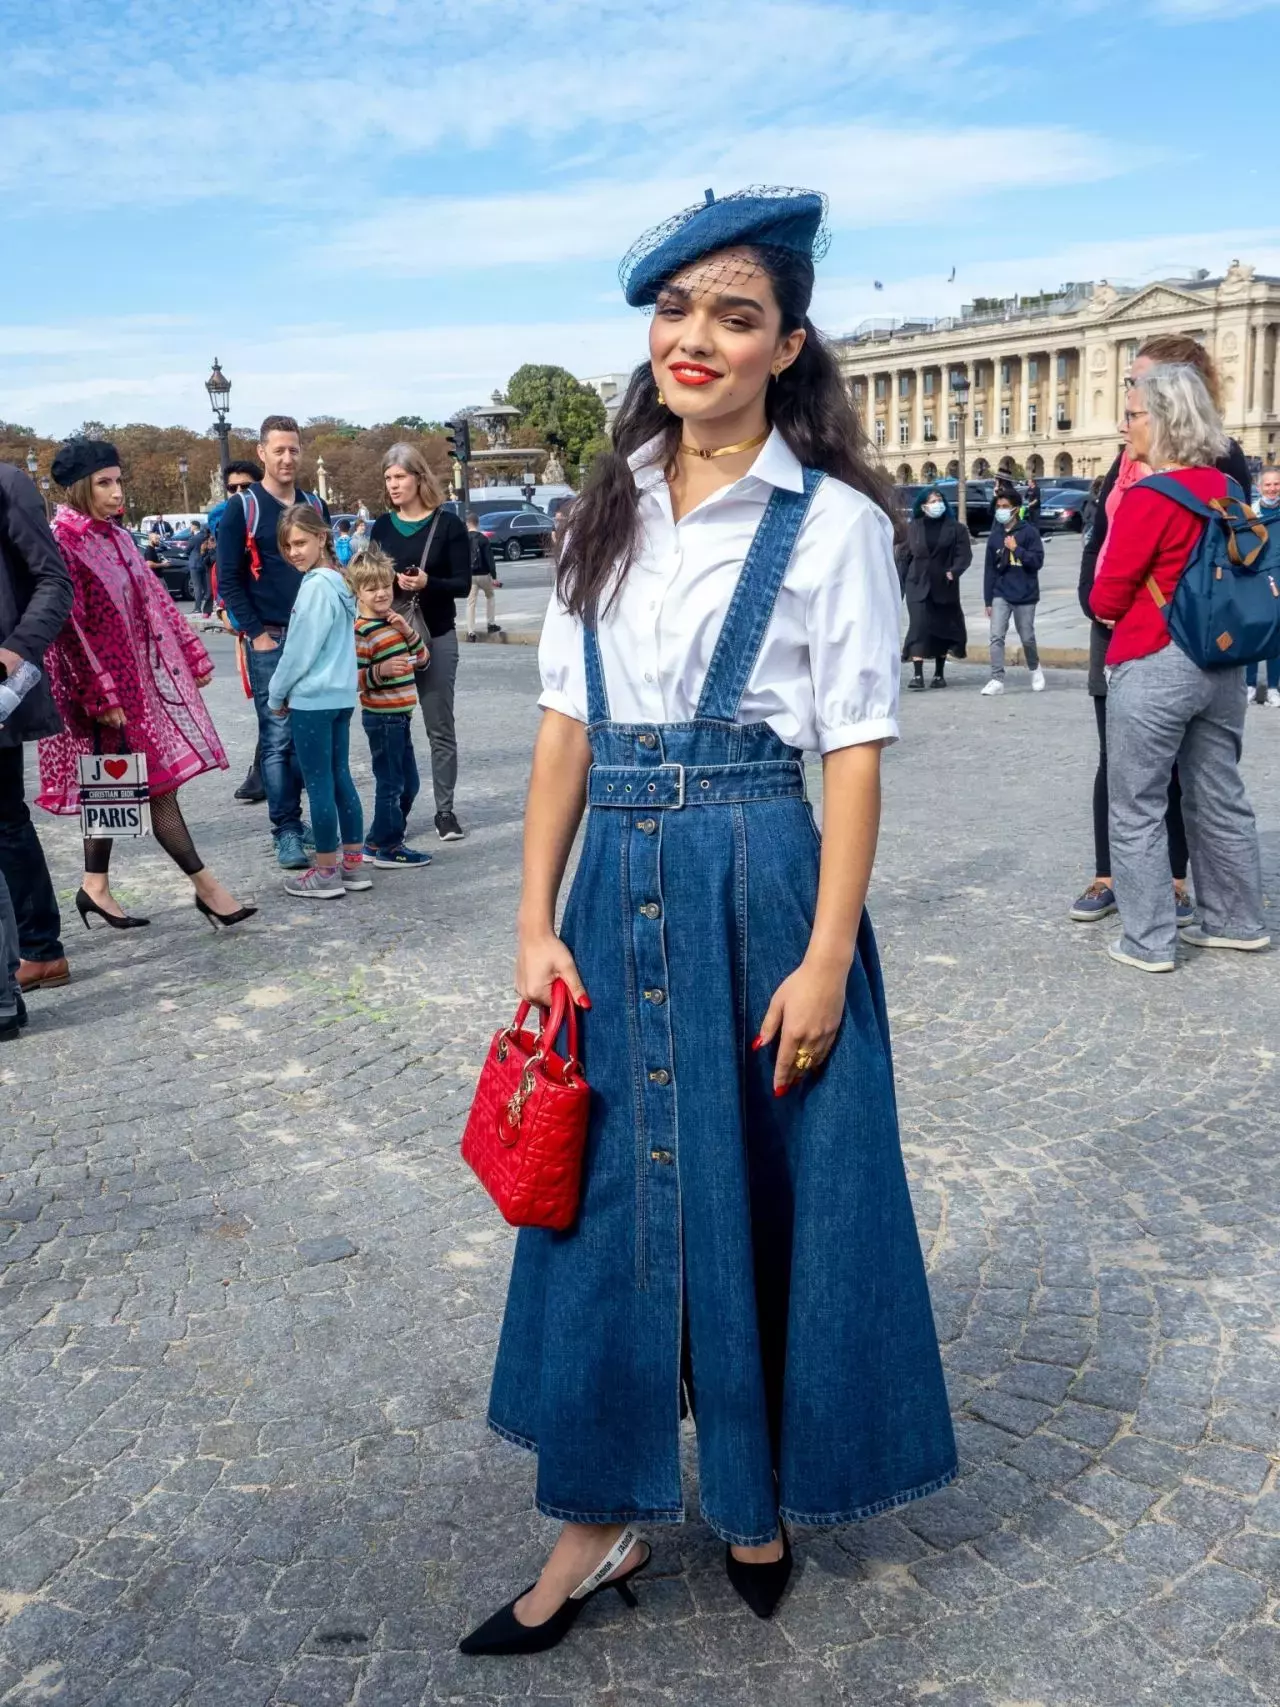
774 218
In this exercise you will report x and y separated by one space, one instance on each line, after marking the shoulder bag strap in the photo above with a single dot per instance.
431 534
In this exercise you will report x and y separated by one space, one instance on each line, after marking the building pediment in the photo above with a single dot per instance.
1155 299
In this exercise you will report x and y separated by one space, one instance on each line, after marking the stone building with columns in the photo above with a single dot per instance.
1046 374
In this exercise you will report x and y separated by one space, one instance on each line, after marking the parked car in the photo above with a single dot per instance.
978 502
517 533
170 562
1062 509
1068 482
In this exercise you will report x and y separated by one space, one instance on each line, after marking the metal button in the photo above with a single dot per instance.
651 910
647 826
660 1076
663 1156
647 676
646 740
657 997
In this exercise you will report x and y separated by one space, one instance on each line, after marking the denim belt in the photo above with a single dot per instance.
670 788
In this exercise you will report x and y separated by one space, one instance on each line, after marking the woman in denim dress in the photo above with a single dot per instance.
745 1249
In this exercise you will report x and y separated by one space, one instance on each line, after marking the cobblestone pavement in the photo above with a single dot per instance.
249 1295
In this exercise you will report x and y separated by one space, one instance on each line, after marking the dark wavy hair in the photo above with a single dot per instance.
809 404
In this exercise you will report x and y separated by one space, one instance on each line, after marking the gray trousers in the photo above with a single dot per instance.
1024 620
435 696
8 954
1164 709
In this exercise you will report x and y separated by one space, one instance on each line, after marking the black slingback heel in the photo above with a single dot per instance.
503 1633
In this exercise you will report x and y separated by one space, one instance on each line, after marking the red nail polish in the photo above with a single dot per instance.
759 1043
584 1001
781 1090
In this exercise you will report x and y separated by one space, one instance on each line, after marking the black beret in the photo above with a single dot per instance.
79 458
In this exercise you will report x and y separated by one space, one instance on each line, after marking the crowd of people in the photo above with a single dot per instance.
1166 719
323 621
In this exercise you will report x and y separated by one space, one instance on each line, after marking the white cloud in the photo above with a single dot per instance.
875 176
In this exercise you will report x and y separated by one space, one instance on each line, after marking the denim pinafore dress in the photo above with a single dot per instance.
754 1258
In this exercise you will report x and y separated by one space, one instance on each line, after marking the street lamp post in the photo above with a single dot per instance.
183 468
960 396
219 388
44 492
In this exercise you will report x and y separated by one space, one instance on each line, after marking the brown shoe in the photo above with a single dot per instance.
43 974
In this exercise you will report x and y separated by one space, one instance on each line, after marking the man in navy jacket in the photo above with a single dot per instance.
259 587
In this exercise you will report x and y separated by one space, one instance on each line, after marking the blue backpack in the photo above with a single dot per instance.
1225 610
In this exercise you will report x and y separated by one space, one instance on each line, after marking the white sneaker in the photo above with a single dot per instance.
1198 937
1037 680
1273 696
1117 953
993 686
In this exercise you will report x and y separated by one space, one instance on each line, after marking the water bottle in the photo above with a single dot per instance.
15 688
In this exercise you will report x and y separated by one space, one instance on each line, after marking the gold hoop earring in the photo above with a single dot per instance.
662 402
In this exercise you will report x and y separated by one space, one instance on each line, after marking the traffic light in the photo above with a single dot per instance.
458 437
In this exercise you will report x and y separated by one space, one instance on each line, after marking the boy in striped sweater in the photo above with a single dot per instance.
388 651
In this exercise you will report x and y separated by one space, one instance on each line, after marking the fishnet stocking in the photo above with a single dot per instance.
170 830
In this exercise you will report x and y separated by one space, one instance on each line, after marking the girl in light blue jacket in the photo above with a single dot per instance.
315 683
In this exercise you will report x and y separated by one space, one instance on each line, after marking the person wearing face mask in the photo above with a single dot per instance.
1268 512
931 558
1011 588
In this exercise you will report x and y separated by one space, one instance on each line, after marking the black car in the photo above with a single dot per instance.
168 557
979 502
1061 509
514 534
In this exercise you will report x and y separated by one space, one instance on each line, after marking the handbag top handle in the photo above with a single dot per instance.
562 1007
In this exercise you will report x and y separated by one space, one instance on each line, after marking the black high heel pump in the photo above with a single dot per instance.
85 905
761 1586
503 1633
223 919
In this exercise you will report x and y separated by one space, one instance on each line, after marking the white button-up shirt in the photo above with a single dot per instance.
828 669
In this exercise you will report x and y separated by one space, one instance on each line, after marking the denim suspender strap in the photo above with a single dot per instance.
597 697
754 598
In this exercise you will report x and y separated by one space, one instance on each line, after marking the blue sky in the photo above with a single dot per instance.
378 207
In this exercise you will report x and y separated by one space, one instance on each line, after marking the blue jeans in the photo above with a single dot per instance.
395 773
281 776
1273 673
321 740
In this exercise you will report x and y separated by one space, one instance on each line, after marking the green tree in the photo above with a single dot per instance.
552 401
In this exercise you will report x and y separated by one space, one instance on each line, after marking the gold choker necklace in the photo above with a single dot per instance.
725 450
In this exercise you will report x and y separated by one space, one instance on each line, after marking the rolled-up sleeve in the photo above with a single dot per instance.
853 630
560 661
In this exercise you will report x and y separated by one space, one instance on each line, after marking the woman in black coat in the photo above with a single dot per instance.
934 553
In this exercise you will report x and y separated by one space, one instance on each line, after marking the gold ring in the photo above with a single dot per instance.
804 1060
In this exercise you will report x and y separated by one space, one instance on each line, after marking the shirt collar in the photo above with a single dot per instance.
777 465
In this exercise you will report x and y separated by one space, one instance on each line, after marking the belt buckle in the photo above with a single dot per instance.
679 803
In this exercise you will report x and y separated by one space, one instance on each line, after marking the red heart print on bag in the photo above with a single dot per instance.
115 767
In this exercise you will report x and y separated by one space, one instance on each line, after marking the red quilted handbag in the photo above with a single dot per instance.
528 1123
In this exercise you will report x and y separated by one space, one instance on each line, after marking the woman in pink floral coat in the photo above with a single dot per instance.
126 673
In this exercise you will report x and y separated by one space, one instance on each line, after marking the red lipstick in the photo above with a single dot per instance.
692 373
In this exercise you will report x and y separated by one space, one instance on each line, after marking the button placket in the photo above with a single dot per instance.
657 1152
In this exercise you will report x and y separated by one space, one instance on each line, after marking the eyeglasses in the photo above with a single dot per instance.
1135 415
239 485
